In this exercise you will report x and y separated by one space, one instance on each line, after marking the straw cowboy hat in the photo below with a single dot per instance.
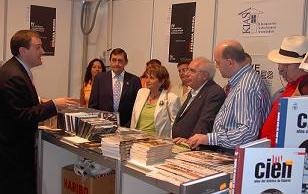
292 50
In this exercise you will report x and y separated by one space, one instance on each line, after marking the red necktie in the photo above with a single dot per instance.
227 88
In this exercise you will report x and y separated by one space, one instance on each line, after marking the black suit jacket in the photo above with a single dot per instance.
200 114
101 97
20 113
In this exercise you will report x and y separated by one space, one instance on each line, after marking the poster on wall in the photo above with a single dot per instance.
182 32
43 21
257 20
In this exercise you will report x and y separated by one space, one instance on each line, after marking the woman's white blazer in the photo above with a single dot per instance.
167 106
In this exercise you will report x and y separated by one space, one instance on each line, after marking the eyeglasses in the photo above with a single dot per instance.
183 70
114 60
195 70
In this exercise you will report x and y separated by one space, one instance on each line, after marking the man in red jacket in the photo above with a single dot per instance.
288 58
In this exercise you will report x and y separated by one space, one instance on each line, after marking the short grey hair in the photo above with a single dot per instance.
206 66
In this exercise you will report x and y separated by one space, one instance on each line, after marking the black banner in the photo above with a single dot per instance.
182 32
43 21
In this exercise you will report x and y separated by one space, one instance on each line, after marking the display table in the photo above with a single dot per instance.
121 169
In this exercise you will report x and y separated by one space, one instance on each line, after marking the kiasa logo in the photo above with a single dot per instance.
253 23
250 17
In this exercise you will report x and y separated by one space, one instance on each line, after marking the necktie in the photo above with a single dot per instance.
185 103
116 94
227 89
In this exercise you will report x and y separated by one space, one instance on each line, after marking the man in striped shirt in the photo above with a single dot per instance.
246 106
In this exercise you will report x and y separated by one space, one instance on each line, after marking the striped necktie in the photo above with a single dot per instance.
116 93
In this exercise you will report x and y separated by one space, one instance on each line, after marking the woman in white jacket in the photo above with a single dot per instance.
155 107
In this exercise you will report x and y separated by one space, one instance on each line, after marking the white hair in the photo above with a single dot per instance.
206 66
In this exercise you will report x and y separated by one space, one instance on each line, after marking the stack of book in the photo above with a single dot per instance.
209 159
72 121
118 146
64 122
95 128
178 171
150 151
88 123
187 167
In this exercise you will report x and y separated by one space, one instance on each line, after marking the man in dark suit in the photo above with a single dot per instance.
20 112
198 112
116 90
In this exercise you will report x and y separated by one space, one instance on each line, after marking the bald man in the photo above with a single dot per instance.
246 106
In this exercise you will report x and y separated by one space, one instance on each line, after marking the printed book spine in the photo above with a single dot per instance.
238 170
281 122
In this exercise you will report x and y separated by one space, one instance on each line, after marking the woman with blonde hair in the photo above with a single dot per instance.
155 108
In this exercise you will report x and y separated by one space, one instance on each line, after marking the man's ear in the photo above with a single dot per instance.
230 61
22 51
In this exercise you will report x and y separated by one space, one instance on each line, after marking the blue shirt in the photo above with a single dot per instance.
243 112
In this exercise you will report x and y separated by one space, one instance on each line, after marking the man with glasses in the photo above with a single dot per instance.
198 112
116 90
20 113
288 58
182 89
246 106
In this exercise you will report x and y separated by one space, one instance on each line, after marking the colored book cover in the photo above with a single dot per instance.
269 170
292 128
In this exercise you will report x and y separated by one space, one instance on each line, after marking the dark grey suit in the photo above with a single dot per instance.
20 112
200 114
101 97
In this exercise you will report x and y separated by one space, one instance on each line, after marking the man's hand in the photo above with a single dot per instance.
179 140
197 139
65 102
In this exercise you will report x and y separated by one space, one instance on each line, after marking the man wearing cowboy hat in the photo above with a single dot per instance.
288 58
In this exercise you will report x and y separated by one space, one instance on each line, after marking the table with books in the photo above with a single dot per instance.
147 158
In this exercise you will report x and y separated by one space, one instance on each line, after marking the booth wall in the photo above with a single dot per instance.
141 27
51 78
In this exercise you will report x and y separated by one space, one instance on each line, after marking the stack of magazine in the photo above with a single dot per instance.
178 171
150 151
88 123
209 159
118 145
189 166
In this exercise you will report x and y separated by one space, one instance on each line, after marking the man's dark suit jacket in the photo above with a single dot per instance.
200 114
20 113
101 97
